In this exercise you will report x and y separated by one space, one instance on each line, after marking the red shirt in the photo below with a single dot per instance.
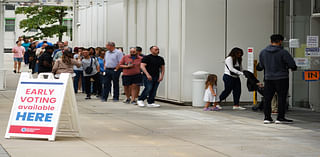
127 59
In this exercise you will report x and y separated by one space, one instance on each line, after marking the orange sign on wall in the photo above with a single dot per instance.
311 75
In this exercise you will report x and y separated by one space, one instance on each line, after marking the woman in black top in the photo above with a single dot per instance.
45 60
32 57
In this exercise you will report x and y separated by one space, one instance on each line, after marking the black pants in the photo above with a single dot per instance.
113 76
233 85
281 87
88 83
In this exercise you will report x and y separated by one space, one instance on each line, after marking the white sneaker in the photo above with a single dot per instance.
219 107
153 105
238 108
140 103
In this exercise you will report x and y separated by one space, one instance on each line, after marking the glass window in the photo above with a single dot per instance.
10 25
68 23
9 7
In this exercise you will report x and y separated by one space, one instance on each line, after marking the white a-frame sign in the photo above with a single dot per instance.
43 108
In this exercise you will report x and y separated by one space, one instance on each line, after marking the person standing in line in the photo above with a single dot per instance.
66 45
18 53
102 53
78 81
32 57
112 70
139 51
26 44
88 62
131 77
276 62
65 64
60 48
45 60
232 70
151 65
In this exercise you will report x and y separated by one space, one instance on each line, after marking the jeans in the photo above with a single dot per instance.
281 87
101 85
150 89
26 58
231 84
88 82
113 76
79 74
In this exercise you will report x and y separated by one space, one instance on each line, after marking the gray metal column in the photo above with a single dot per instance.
2 72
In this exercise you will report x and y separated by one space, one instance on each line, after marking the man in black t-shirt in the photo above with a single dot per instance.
152 66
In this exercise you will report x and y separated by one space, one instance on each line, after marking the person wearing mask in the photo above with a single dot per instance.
232 70
93 64
65 64
153 67
276 62
18 53
131 77
112 70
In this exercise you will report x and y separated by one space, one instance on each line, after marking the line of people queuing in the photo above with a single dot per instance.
96 70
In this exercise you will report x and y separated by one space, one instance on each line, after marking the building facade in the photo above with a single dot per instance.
196 35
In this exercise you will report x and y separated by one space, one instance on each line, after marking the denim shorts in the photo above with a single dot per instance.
17 59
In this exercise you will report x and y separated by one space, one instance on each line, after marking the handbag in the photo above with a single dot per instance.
89 69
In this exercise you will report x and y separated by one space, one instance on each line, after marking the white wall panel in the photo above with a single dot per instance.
174 56
115 23
163 41
132 24
151 22
94 24
250 24
141 25
204 48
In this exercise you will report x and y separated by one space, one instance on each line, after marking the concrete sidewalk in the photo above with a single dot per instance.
121 130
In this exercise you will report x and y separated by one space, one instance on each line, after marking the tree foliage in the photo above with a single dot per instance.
47 19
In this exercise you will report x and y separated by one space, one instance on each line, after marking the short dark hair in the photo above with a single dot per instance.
152 47
276 38
138 48
49 48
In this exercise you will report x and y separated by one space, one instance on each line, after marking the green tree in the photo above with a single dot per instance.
47 19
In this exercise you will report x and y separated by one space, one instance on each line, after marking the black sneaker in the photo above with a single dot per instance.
14 71
284 121
127 101
88 97
268 121
134 102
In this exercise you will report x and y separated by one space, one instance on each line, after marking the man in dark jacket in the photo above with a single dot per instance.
276 62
